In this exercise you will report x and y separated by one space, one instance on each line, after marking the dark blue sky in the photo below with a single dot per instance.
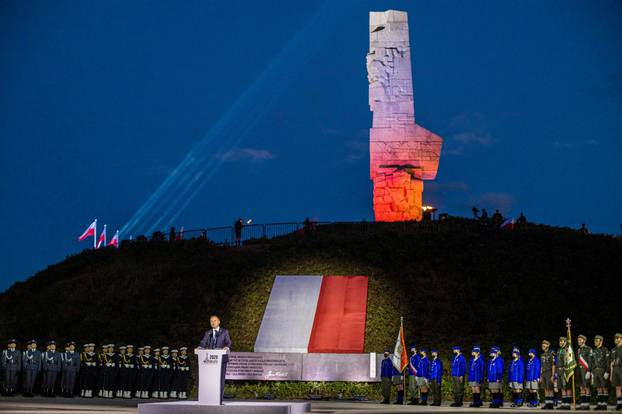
101 101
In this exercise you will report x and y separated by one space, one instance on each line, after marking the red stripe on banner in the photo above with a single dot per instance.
339 324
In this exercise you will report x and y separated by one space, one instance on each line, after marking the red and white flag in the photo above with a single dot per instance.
508 224
400 356
180 234
115 240
90 231
102 238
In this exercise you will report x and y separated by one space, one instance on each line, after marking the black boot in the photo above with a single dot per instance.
400 397
414 401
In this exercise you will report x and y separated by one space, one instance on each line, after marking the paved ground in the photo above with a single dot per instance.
20 405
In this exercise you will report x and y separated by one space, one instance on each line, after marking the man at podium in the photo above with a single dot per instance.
217 338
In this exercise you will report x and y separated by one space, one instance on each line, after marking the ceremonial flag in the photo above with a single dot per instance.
508 224
400 356
90 231
102 238
115 240
571 362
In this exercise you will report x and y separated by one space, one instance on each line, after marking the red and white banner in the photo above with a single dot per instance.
315 314
399 358
90 231
102 238
115 240
508 224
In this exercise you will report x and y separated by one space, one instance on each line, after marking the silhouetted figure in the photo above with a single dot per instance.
483 219
172 235
237 226
497 219
475 212
521 221
308 226
584 229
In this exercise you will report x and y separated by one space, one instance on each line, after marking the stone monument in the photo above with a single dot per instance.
402 153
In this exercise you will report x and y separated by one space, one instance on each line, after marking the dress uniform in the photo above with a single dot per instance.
494 373
563 364
100 370
532 377
458 369
122 372
413 366
476 376
155 381
547 372
110 367
51 368
182 374
616 370
516 376
70 364
145 372
11 366
88 371
31 366
137 357
165 373
600 372
386 375
583 371
423 376
436 377
127 372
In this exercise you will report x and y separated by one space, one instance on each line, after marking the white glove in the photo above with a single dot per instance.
587 376
606 375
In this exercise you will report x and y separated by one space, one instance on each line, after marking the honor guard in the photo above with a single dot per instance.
145 372
386 374
494 372
110 364
70 363
155 382
564 361
547 374
88 371
583 371
165 373
476 376
616 369
175 365
516 376
51 368
458 369
413 367
423 376
31 366
182 374
532 377
132 368
436 377
141 352
100 370
600 372
122 377
11 364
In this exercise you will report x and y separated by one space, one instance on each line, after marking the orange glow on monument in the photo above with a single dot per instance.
402 153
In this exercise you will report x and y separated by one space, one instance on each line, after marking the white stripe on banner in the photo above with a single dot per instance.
289 315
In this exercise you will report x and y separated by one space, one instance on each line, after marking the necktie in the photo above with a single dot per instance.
213 341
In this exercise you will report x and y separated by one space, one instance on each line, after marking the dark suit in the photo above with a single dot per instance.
218 340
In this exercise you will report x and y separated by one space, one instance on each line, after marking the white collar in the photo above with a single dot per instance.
216 329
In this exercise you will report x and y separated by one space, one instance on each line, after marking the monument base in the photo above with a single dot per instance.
234 407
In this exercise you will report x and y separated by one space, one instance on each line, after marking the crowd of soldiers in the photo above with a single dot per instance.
159 373
594 368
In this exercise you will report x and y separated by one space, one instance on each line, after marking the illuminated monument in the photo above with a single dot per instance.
402 153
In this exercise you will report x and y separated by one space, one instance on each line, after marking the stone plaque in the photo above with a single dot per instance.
264 366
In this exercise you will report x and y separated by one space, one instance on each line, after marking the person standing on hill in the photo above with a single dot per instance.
237 226
436 378
458 369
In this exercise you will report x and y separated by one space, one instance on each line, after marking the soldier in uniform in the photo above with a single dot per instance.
31 365
110 364
130 381
516 376
145 372
11 366
183 368
423 376
547 373
564 359
70 363
458 369
51 368
583 371
398 381
100 370
386 373
600 372
616 369
141 352
494 372
155 381
436 378
165 373
532 377
413 366
476 376
88 371
122 371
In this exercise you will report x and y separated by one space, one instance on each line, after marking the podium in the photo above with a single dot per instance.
210 374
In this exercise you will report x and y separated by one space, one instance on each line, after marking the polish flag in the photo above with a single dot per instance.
508 224
90 231
102 238
314 314
115 240
180 234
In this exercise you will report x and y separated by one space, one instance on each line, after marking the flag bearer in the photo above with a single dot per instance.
583 371
386 374
600 372
495 378
616 370
565 363
423 376
516 376
51 367
31 366
436 378
413 366
476 376
547 374
70 365
11 363
532 377
458 369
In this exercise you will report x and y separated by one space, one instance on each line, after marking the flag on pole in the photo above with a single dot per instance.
102 238
90 231
571 361
508 224
115 240
400 356
180 234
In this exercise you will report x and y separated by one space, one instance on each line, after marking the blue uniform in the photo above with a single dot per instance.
70 362
476 370
413 365
11 363
516 373
458 366
436 370
495 369
51 368
31 365
387 368
532 370
424 368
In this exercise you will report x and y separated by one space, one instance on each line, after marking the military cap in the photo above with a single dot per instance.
183 348
52 342
11 341
563 338
86 345
140 348
32 341
92 344
387 350
165 348
412 346
544 341
105 346
129 346
156 350
455 348
494 350
122 347
174 351
516 351
70 343
532 351
582 337
599 337
147 347
110 345
618 335
434 351
423 350
476 349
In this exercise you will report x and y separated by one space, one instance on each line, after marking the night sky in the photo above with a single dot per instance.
215 110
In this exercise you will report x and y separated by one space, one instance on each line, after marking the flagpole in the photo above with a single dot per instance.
105 238
402 331
574 401
95 235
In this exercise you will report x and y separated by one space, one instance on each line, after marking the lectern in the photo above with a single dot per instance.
210 372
